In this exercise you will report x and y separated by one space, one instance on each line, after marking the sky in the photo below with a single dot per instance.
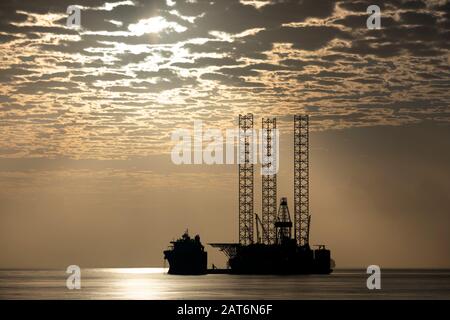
86 117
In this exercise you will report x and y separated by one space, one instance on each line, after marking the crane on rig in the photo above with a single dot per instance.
259 224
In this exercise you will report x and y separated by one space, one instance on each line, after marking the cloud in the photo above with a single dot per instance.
284 55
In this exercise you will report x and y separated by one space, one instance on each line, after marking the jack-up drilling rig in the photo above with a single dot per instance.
275 252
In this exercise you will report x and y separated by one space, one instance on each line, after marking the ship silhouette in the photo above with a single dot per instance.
186 256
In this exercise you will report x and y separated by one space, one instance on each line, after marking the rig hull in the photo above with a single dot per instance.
278 259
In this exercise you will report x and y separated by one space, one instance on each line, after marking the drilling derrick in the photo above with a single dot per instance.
269 180
283 225
301 179
246 161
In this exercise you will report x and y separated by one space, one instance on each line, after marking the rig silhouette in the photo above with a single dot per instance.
275 249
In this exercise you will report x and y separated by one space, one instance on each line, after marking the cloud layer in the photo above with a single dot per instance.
135 69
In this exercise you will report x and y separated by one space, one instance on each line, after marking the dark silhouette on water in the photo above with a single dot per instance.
187 256
282 257
278 250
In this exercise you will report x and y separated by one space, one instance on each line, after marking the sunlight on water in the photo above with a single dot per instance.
142 287
137 270
139 289
155 283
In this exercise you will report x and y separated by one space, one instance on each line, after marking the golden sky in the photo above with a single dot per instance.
86 116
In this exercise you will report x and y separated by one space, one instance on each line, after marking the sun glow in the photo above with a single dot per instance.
154 25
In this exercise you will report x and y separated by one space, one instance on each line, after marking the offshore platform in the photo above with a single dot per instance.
276 249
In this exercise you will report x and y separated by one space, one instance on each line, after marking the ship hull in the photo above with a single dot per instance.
186 263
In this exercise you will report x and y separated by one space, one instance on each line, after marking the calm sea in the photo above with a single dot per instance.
154 283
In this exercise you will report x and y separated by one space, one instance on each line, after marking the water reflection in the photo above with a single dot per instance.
155 283
138 289
132 283
138 270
